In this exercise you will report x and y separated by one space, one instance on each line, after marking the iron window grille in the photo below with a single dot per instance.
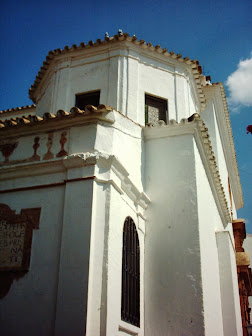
155 109
130 309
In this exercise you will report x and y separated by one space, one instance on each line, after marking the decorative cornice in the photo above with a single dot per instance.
32 123
126 186
196 126
225 125
52 55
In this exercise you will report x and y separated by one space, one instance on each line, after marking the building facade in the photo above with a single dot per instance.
118 190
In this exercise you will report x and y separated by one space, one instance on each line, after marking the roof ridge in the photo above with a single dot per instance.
18 108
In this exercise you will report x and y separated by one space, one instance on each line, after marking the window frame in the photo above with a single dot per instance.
130 293
157 100
96 94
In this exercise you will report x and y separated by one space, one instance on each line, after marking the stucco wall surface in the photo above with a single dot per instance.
173 283
73 273
123 139
30 306
120 208
209 223
229 285
123 76
110 209
97 290
51 299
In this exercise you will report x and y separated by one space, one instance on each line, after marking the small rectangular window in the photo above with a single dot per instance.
155 109
89 98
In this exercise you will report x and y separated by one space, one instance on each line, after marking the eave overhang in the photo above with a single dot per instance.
32 124
74 50
216 92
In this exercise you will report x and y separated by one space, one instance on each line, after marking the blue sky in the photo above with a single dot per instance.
217 33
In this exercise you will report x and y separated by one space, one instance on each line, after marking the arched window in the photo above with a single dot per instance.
130 310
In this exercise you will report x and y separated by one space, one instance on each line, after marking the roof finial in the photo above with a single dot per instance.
106 35
120 32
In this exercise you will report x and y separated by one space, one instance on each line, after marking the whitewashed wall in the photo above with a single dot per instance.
209 221
29 307
86 219
231 312
218 265
124 140
123 75
173 280
188 284
191 276
120 208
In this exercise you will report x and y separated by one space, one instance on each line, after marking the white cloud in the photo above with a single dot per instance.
239 84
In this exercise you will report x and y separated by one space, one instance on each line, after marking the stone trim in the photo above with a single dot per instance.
30 219
16 241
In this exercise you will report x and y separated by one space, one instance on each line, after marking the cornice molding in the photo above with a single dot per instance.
216 92
121 181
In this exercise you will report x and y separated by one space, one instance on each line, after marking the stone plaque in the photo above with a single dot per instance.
12 238
16 237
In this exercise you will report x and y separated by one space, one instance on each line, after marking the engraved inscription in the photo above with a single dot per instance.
12 237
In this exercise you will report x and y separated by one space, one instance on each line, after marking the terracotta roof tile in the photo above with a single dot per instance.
61 114
197 70
230 134
14 109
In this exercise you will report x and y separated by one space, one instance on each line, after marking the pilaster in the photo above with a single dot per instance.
74 259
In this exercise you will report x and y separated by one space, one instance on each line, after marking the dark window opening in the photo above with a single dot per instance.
155 109
90 98
130 309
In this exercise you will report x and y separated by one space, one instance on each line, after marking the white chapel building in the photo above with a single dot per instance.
118 189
